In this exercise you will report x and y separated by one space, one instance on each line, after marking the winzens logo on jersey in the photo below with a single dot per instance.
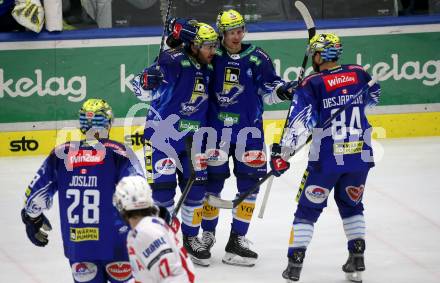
231 78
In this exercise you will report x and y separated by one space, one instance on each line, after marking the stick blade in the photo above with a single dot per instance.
305 14
219 203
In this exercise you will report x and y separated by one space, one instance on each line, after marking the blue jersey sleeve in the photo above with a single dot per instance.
266 77
302 118
40 192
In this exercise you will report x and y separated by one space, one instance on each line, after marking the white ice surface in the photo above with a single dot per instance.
402 213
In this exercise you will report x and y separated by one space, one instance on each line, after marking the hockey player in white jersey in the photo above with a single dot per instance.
156 255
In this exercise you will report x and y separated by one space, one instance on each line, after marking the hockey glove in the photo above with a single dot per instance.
182 29
30 14
36 227
151 78
286 90
277 163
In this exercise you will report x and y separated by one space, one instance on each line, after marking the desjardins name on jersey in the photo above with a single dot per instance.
340 100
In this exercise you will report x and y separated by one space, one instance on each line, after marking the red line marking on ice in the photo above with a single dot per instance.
20 266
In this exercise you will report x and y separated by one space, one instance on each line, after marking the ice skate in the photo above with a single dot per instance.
208 239
294 267
197 250
238 251
355 265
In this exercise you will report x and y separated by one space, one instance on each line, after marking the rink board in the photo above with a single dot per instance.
22 143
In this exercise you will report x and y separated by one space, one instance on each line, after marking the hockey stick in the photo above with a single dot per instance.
191 179
311 30
162 41
229 204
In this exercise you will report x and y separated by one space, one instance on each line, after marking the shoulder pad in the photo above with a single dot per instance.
308 78
262 53
354 67
116 147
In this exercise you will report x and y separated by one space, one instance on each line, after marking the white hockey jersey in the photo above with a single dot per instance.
156 255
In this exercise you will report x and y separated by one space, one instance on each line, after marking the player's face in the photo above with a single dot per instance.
316 61
232 39
205 53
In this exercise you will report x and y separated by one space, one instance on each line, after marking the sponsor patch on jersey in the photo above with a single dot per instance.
165 166
254 158
245 211
355 193
348 147
201 162
316 194
84 271
189 125
84 234
85 157
210 212
216 157
335 81
229 118
119 270
231 78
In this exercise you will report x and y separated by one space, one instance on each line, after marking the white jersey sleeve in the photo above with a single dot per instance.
155 254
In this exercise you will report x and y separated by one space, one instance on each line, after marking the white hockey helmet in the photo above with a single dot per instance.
132 193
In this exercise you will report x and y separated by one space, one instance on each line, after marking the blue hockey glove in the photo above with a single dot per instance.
182 29
277 163
36 227
286 90
151 78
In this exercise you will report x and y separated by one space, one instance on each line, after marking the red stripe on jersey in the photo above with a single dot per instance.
335 81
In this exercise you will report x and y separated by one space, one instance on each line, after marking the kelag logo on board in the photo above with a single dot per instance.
75 88
23 145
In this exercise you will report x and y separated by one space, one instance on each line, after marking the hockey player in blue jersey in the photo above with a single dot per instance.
84 174
244 78
178 93
340 156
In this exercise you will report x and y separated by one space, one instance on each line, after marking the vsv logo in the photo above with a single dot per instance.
23 145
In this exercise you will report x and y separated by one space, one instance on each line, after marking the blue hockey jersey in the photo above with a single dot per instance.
85 178
237 90
345 145
183 93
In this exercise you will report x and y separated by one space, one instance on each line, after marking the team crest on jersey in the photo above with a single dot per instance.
165 166
84 271
216 157
254 158
198 96
119 270
355 193
316 194
336 81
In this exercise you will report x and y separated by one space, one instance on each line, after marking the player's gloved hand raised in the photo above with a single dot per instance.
151 78
285 91
182 29
36 227
277 163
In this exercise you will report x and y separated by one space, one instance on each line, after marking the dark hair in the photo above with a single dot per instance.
152 210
